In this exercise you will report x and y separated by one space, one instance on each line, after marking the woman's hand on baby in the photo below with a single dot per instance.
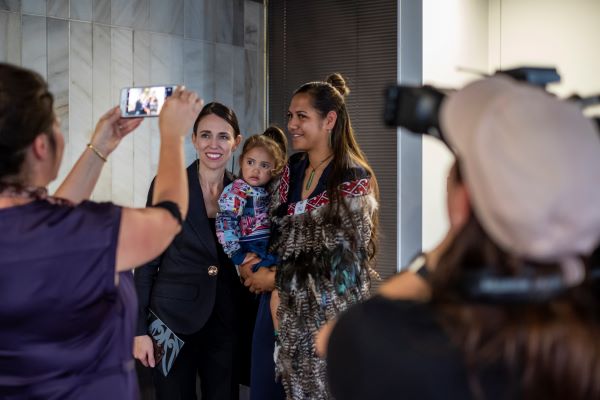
260 281
245 267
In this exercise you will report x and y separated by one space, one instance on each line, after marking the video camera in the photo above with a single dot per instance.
417 108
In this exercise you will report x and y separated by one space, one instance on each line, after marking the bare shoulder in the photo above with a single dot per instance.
405 286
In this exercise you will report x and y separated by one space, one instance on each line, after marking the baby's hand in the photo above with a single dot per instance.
251 258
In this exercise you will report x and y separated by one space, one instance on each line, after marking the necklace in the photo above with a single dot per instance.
312 173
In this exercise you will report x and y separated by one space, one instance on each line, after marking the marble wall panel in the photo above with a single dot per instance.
101 11
34 50
10 5
261 91
142 171
102 99
194 21
239 99
223 16
251 94
238 23
239 87
193 80
167 66
121 47
57 37
262 34
57 8
37 7
81 10
130 13
207 88
166 16
139 42
224 77
10 37
251 24
80 87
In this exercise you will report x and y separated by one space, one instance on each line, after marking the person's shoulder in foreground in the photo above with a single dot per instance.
385 349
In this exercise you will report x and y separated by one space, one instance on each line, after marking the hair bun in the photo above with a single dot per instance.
337 81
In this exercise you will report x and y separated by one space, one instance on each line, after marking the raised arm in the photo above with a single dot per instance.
146 233
81 180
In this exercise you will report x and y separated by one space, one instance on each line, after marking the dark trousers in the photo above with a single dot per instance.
262 384
209 354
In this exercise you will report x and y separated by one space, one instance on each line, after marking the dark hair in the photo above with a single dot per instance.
277 134
221 111
347 155
552 348
26 111
271 146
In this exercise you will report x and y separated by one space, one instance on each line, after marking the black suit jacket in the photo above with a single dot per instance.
176 285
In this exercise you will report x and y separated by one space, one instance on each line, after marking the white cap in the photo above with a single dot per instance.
531 163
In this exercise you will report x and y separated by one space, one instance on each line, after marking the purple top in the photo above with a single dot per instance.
66 328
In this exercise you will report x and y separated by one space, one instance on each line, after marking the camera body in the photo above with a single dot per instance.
417 108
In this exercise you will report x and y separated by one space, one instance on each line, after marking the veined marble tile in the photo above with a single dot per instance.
121 46
10 37
101 11
195 19
224 76
238 23
166 66
261 28
80 87
58 79
10 5
58 8
207 64
251 98
130 13
141 58
239 88
192 66
223 10
251 24
166 58
33 46
37 7
261 91
166 16
142 162
102 99
81 10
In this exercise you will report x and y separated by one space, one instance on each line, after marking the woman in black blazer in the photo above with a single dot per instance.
193 286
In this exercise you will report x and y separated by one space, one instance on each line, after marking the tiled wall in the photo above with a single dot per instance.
89 49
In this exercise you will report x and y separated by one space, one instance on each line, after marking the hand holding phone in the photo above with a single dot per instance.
144 101
179 113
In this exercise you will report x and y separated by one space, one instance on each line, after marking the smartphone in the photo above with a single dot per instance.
144 101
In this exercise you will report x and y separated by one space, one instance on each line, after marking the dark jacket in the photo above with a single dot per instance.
177 285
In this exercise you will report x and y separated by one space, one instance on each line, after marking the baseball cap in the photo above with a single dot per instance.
531 164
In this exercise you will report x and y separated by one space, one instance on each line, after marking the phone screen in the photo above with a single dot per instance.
145 101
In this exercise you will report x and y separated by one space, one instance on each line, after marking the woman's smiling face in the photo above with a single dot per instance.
305 124
215 142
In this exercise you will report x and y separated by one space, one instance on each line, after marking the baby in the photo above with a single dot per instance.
243 226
